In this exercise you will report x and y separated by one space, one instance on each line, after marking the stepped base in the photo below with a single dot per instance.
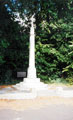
29 83
16 95
24 90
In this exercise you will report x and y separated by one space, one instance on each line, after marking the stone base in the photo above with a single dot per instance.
31 80
10 93
29 83
18 95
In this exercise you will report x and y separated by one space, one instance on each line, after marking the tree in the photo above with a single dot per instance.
54 33
13 45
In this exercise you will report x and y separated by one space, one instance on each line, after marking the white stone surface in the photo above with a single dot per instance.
19 95
32 85
64 93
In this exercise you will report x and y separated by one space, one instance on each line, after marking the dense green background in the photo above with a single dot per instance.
54 39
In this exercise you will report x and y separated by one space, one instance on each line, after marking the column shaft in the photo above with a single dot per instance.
32 69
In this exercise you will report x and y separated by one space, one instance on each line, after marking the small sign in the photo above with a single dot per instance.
21 74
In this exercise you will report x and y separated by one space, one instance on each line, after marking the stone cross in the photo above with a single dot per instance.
32 20
32 82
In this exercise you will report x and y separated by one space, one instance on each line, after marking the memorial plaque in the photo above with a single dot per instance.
21 74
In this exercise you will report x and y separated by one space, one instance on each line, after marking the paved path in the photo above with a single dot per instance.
50 112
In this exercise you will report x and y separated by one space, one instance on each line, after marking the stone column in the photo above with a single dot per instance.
32 70
32 82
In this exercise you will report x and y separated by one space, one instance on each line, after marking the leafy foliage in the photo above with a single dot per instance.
13 46
55 32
